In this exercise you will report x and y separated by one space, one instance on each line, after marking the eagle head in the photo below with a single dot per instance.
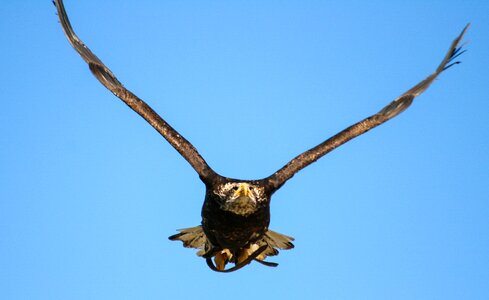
240 198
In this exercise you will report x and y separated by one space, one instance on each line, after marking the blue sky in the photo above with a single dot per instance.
89 192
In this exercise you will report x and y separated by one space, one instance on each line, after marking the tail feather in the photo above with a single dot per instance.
274 241
193 237
271 241
279 240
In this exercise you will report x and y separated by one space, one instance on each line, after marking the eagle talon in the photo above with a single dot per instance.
238 265
267 263
222 258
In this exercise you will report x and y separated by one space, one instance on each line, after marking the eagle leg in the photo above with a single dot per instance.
239 265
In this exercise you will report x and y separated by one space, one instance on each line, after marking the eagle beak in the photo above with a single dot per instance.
243 190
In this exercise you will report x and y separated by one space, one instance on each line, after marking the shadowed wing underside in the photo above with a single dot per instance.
276 180
186 149
107 78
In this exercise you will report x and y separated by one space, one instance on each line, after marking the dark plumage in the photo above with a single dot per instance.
236 213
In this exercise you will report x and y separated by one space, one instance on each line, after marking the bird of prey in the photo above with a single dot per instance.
236 213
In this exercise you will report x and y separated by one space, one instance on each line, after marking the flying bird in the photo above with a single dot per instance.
236 213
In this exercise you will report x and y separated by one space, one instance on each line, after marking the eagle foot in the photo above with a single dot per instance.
223 257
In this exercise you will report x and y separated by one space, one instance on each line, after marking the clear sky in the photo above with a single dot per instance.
89 192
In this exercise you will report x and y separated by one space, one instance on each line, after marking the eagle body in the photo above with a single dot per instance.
234 228
230 230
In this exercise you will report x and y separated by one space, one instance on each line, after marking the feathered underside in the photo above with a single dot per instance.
268 245
400 104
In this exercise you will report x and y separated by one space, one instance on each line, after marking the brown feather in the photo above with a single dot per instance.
276 180
108 79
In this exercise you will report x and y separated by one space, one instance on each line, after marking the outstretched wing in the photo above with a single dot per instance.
105 76
394 108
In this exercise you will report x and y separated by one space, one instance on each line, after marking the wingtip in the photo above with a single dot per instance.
461 35
463 31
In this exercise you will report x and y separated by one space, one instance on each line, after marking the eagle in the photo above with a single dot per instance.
236 213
